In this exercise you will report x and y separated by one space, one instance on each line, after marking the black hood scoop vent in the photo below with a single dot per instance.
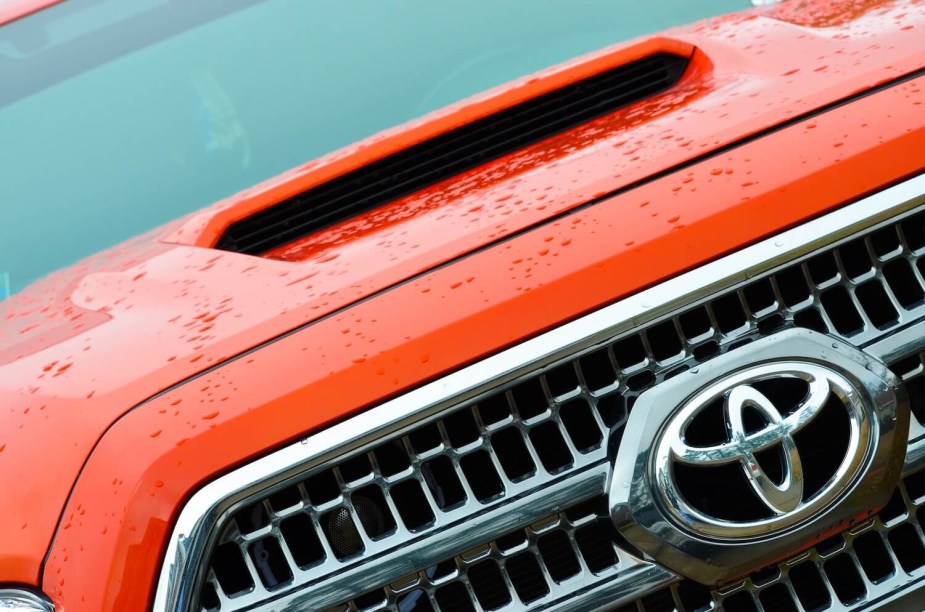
452 153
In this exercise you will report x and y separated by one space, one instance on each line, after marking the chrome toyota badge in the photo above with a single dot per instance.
758 454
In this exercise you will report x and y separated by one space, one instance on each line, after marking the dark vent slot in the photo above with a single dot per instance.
451 154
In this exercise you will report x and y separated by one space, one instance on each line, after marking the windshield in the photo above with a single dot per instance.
118 116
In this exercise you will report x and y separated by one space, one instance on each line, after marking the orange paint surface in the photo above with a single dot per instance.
106 555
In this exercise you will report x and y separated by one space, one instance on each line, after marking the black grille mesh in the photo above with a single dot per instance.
555 422
452 153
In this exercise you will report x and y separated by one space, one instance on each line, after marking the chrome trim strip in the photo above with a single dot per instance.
192 535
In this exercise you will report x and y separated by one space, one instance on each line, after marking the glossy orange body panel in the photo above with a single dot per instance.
451 316
81 350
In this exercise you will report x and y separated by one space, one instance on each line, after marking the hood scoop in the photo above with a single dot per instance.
452 153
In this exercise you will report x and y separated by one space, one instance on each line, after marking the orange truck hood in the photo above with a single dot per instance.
82 349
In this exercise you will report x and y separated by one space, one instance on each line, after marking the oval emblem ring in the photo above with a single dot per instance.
736 396
757 454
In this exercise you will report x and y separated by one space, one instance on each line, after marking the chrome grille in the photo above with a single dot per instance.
511 455
870 561
571 550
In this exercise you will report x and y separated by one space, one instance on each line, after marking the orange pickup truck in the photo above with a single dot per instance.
641 331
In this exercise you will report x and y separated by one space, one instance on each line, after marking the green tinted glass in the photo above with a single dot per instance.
122 116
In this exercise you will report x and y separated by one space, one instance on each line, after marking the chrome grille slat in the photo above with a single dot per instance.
734 314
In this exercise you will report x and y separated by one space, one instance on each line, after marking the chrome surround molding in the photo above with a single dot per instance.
193 533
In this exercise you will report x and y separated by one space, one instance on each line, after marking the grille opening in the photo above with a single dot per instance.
494 409
760 296
915 486
208 598
412 504
512 453
894 509
728 313
443 482
664 341
628 352
902 281
596 548
342 533
704 351
461 428
286 498
454 598
823 445
597 370
660 601
322 488
511 541
695 323
443 570
770 324
907 546
845 579
371 600
720 491
527 577
822 268
452 153
529 399
765 575
356 468
612 409
562 380
230 569
785 393
391 458
709 427
694 596
425 438
777 598
792 286
271 565
638 382
842 312
831 545
809 587
302 540
415 601
854 258
373 512
580 425
811 319
488 585
481 475
253 518
875 561
550 446
877 305
885 242
558 556
740 602
913 231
